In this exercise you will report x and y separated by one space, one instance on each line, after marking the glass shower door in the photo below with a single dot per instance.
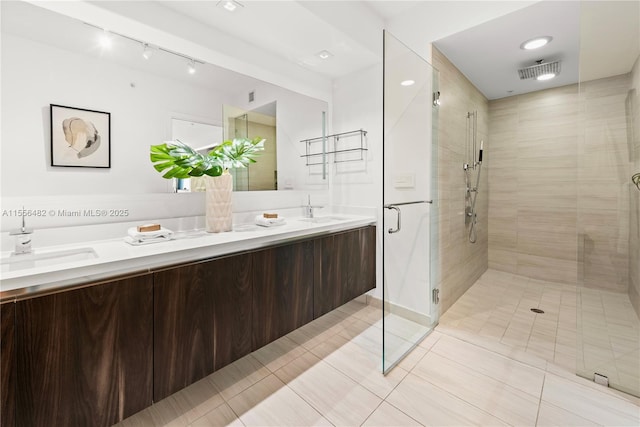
409 179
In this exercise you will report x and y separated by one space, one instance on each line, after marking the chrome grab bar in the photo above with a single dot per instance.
395 207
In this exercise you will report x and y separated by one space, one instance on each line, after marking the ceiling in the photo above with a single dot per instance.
488 52
291 30
481 38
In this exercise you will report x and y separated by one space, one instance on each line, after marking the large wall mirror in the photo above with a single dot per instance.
60 61
259 122
237 123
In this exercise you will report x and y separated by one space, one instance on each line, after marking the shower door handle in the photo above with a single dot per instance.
399 224
395 207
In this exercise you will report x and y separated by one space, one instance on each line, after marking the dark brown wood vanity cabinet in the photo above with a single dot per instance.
7 364
202 320
344 268
94 355
84 356
282 291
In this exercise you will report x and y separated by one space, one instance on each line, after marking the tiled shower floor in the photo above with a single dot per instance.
597 332
328 373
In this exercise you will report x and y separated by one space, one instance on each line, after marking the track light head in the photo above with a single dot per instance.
147 52
191 67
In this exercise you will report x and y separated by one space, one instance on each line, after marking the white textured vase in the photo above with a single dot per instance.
218 212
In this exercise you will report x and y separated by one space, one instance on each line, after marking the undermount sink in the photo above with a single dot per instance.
43 259
320 219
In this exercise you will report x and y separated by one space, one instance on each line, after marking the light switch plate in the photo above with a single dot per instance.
404 180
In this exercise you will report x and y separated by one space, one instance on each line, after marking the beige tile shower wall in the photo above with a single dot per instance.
557 210
532 181
603 185
263 177
461 262
633 115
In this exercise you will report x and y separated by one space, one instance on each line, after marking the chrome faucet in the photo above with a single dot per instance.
23 239
308 208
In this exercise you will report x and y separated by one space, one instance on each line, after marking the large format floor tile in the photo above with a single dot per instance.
271 403
430 405
591 404
340 399
387 415
502 400
463 373
583 330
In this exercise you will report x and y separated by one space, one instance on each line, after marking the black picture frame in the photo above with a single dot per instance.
80 137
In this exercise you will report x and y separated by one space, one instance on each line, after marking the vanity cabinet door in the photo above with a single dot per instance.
282 291
202 320
344 268
84 356
362 262
7 364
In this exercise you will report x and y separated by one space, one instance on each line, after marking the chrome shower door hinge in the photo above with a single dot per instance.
601 379
435 296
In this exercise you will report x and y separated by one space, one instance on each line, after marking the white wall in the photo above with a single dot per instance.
358 104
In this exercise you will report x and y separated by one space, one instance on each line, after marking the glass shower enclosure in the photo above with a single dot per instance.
608 214
409 248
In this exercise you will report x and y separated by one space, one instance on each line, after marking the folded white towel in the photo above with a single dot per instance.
139 241
144 235
137 238
269 222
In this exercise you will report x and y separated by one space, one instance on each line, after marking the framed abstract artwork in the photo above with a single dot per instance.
80 137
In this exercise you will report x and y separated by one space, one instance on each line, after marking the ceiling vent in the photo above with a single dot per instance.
540 69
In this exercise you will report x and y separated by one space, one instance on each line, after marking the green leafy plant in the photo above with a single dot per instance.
176 159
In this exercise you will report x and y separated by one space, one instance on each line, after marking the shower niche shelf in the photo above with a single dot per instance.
342 147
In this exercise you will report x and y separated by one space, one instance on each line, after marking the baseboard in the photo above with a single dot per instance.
399 310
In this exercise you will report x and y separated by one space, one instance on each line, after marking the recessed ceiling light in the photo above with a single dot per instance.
547 76
407 82
230 5
324 54
536 43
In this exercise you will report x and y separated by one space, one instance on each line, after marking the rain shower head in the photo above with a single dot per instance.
540 69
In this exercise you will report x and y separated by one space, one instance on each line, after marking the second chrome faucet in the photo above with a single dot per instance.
308 208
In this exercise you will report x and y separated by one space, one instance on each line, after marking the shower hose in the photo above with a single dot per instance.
473 230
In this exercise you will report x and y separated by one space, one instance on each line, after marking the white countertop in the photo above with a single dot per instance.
115 257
